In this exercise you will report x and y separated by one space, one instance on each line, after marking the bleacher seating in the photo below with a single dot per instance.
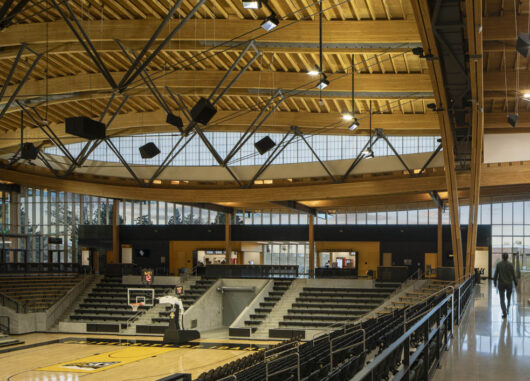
336 356
320 307
190 296
37 292
107 302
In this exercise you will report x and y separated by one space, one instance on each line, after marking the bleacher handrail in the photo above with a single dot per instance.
13 304
5 327
378 360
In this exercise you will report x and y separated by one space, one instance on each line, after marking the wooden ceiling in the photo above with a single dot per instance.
379 33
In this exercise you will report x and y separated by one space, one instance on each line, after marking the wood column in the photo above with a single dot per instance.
228 237
474 19
439 260
422 14
311 246
115 231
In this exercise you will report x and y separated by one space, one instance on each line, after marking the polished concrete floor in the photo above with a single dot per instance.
487 347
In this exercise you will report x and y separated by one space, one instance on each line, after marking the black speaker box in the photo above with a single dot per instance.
29 151
523 44
85 128
203 111
175 121
149 150
264 145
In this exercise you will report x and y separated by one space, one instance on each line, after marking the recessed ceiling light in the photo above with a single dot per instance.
526 95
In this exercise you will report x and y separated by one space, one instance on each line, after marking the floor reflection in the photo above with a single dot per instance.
486 346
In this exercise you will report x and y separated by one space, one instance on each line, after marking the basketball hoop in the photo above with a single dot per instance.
135 306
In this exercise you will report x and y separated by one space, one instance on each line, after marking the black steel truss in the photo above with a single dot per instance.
84 40
138 66
278 149
6 16
299 133
6 83
45 128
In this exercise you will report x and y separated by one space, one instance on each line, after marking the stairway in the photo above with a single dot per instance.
158 315
278 308
265 308
79 300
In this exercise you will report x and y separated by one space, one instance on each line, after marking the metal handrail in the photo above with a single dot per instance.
5 327
8 302
367 370
297 367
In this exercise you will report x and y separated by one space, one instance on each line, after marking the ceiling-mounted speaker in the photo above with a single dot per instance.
264 145
512 119
149 150
523 44
28 151
203 111
175 121
85 127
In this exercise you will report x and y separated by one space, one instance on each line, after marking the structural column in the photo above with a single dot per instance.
115 231
439 260
228 237
311 246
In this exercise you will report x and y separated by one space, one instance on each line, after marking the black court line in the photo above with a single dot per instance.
28 346
154 343
140 343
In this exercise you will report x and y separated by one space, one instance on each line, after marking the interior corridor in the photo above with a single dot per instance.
487 347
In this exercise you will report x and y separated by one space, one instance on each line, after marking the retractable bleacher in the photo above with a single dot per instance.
107 302
37 292
318 307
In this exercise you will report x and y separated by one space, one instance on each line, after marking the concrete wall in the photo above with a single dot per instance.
235 301
249 309
24 323
207 310
42 321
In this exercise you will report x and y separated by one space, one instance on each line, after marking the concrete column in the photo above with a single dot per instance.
311 246
228 237
115 231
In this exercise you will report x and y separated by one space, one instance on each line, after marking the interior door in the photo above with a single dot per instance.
431 264
387 259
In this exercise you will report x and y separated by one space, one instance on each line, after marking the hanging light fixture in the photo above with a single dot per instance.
351 116
368 153
253 4
271 21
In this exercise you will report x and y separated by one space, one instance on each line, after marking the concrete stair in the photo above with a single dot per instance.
280 309
66 315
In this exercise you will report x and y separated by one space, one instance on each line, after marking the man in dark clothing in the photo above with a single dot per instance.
504 275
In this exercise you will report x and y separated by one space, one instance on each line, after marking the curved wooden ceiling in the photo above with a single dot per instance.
379 33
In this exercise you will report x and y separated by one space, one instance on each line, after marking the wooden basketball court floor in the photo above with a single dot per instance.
63 357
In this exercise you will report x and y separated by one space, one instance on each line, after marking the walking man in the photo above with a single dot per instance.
503 278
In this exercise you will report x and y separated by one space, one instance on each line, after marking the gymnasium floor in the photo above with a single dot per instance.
104 357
